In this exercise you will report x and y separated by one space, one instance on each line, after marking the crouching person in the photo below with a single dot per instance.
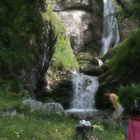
118 112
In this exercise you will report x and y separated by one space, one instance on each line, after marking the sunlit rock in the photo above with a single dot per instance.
77 24
47 107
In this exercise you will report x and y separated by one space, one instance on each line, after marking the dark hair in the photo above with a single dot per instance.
108 91
135 108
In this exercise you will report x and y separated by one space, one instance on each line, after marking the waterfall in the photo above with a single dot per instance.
110 36
84 88
100 62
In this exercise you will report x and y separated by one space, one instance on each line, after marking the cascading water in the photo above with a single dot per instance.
110 36
85 88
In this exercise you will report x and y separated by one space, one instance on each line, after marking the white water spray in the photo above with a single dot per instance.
85 88
110 36
100 62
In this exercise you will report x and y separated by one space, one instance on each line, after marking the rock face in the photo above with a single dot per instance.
78 27
60 88
60 5
92 70
80 18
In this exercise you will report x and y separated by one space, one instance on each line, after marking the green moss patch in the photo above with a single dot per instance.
63 58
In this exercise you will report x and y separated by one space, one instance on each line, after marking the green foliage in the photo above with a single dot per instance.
12 85
63 57
11 101
128 94
110 134
126 62
98 127
18 33
134 9
20 27
131 10
105 130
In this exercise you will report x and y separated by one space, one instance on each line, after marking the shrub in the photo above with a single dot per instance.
128 94
126 62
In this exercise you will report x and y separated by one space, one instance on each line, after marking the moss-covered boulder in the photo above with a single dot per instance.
91 70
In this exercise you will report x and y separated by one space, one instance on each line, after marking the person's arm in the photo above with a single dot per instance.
112 99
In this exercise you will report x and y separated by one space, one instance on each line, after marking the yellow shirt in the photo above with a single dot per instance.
116 99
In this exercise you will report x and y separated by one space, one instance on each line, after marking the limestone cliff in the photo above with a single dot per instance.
83 22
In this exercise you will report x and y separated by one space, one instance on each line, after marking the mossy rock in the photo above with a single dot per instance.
86 58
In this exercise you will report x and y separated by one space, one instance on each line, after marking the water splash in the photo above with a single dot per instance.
110 36
100 62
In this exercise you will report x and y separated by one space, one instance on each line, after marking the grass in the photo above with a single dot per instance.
110 134
63 58
42 126
106 131
10 101
36 127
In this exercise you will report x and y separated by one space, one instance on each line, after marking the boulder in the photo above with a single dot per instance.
90 69
33 104
48 107
8 113
54 107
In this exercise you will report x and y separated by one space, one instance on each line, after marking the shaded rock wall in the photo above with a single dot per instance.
60 88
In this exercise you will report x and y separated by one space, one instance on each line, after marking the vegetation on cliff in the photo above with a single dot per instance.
122 61
22 25
125 66
126 62
63 58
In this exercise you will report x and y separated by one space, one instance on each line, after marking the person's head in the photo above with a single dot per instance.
107 93
135 108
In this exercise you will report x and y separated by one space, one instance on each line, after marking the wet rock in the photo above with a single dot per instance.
60 88
91 70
